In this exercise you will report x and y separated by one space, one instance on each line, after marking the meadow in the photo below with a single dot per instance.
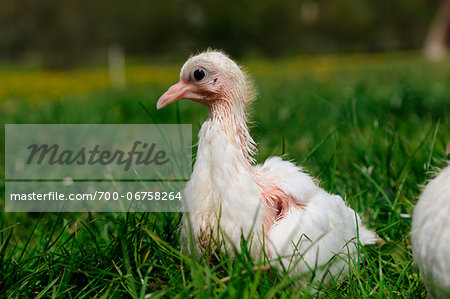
372 128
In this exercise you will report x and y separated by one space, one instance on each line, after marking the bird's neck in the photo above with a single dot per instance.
232 120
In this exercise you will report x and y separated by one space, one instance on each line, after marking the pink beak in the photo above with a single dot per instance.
181 90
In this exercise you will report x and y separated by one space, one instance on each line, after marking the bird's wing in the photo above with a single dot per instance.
313 235
289 191
279 178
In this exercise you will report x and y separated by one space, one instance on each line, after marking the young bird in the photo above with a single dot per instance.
430 235
276 206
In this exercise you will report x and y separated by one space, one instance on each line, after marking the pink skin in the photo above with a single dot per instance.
277 205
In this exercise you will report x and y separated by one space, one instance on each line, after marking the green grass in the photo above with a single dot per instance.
370 129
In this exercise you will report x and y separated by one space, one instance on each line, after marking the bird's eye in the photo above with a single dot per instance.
199 74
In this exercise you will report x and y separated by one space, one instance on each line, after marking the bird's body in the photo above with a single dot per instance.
430 234
276 206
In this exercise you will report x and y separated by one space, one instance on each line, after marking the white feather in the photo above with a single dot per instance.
430 234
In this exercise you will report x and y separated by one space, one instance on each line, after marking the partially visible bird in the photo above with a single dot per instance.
430 235
277 206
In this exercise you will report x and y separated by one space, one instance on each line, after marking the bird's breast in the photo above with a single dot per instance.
222 191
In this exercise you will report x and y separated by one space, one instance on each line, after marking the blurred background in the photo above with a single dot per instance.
62 34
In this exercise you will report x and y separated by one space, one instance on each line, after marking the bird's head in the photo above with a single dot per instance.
210 78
